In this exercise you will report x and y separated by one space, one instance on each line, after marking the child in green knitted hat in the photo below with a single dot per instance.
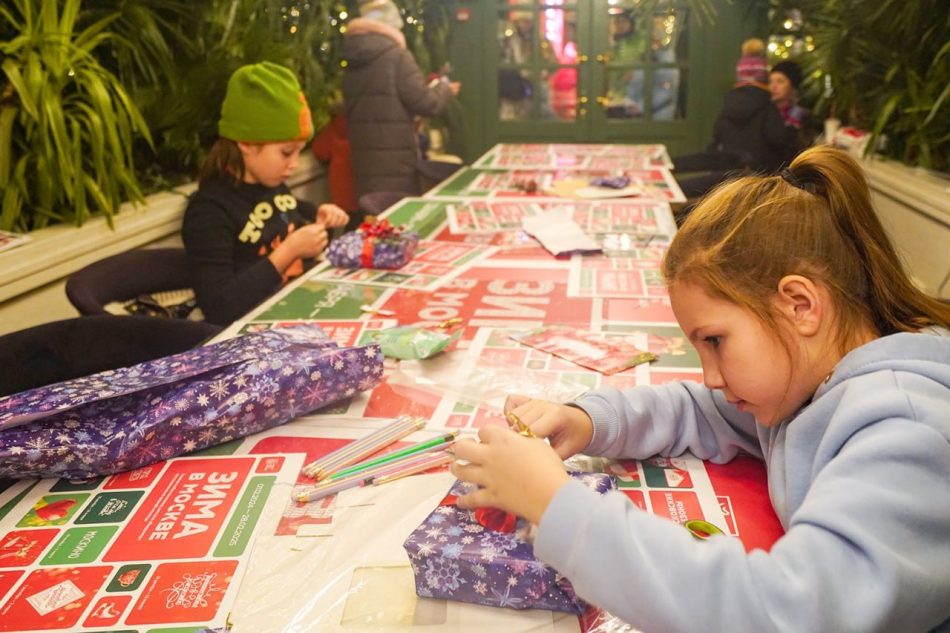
244 231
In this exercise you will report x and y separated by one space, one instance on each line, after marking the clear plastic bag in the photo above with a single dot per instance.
481 383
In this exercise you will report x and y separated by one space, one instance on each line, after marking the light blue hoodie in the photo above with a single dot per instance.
860 479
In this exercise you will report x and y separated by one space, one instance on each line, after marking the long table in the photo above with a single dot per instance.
337 564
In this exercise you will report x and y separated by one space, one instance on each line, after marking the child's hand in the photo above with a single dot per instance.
569 429
332 216
305 242
516 474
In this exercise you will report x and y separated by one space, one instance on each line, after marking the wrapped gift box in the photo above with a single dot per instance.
456 557
126 418
373 245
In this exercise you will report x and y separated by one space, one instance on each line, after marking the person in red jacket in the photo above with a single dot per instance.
332 146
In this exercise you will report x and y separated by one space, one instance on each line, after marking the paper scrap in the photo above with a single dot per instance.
559 233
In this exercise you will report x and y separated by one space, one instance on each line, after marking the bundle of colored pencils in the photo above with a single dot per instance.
343 468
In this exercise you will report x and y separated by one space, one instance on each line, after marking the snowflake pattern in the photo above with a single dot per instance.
455 557
498 541
443 574
393 252
178 404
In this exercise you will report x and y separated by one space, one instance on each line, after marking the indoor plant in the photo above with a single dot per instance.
67 124
883 66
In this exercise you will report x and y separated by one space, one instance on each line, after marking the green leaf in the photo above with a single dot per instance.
12 207
16 80
67 16
7 117
14 195
937 104
8 16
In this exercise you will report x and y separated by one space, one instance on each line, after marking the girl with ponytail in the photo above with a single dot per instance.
821 358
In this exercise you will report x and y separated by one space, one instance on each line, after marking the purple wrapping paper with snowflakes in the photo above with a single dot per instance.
454 557
126 418
376 245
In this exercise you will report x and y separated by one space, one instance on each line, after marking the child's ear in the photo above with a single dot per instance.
246 148
800 300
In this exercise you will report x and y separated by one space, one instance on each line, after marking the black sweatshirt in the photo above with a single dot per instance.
228 231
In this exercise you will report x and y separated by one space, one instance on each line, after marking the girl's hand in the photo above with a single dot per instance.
305 242
569 429
332 216
516 474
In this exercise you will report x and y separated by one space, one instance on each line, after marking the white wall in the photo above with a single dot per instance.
914 207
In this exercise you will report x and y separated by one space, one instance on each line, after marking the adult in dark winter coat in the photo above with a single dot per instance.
749 134
751 130
383 91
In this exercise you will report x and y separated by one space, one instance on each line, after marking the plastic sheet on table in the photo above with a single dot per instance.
598 621
461 375
355 575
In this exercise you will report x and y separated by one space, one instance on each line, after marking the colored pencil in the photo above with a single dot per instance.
394 469
363 447
325 490
426 460
366 447
430 445
437 460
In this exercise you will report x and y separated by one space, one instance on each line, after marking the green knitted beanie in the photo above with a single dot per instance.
264 104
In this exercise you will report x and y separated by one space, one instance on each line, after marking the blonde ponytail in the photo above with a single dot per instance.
895 304
814 220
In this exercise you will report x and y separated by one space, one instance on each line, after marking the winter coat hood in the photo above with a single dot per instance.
366 40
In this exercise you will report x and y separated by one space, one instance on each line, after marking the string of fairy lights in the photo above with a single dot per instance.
337 16
791 42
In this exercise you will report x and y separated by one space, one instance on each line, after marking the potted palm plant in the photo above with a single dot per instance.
67 125
85 87
884 66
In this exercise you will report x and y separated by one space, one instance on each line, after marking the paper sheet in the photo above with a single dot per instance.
559 233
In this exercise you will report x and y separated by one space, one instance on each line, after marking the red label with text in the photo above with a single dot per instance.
678 505
138 478
183 513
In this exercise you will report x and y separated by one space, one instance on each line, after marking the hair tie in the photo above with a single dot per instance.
789 177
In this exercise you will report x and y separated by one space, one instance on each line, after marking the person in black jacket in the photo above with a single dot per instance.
749 133
383 92
245 234
784 80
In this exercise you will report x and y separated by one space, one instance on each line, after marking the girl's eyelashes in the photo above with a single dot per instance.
712 340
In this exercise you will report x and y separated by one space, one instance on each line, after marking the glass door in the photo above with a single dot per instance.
592 70
539 68
642 68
